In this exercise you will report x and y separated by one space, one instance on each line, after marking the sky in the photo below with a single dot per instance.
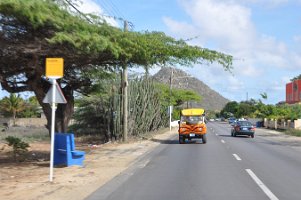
263 36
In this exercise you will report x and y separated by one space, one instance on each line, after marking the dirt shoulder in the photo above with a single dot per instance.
280 137
30 180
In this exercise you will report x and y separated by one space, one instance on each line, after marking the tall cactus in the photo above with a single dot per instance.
101 114
144 107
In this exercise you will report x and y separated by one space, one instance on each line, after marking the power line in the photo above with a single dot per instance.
74 7
114 12
115 8
130 24
106 8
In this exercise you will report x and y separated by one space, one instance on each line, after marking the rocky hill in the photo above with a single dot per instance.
211 100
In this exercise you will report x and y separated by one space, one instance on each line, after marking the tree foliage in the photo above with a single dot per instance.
12 105
257 109
296 78
176 98
32 30
230 109
32 108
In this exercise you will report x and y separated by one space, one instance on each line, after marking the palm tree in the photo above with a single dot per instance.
13 104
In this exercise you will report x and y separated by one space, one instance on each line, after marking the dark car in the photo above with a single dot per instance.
243 128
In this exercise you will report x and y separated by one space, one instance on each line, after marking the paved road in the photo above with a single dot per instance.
226 168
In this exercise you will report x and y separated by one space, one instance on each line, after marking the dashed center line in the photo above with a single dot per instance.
264 188
223 141
236 157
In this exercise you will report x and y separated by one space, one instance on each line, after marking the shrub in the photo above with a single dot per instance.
293 132
19 147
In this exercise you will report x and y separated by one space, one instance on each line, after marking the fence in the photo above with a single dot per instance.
282 124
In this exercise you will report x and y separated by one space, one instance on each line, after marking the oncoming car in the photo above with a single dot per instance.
243 128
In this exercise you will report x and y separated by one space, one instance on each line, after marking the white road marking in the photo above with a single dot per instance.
216 134
264 188
223 141
236 156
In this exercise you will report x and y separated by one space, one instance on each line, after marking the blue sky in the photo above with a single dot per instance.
264 36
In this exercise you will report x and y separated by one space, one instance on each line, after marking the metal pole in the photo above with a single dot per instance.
52 129
125 95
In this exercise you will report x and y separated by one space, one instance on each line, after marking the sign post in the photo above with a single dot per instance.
54 70
52 130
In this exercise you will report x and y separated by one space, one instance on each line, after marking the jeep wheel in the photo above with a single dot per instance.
181 140
204 138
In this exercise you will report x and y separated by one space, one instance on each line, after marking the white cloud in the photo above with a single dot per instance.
266 3
297 38
296 58
90 6
228 26
226 23
183 29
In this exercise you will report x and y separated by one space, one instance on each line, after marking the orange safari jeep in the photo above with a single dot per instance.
192 125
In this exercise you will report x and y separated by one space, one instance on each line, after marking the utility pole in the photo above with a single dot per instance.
170 106
125 94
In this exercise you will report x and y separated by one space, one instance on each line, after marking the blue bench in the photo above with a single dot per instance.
64 150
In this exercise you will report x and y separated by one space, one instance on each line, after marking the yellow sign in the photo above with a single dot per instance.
54 67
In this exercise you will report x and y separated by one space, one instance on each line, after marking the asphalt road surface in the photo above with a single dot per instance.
226 168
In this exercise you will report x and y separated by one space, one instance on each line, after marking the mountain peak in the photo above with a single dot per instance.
211 100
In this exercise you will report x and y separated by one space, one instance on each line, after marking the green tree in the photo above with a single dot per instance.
177 98
245 110
31 108
32 30
181 96
230 109
12 105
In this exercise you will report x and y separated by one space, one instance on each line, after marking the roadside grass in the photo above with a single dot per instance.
28 135
99 139
293 132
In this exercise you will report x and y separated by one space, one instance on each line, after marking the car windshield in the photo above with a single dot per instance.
191 118
244 123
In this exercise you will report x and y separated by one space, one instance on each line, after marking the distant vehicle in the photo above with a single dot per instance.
231 120
243 128
211 120
192 125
